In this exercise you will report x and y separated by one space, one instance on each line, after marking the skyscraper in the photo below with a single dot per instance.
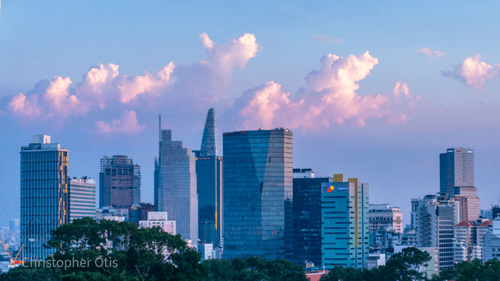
307 222
119 182
457 179
258 193
344 215
209 182
456 169
81 195
175 185
44 194
433 217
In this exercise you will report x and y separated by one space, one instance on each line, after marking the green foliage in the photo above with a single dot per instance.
254 268
23 274
475 270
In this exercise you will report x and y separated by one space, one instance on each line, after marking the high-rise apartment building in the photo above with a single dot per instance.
383 216
44 194
433 217
82 196
469 239
258 193
175 185
119 182
307 223
344 215
209 184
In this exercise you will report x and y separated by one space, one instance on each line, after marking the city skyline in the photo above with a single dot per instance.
426 86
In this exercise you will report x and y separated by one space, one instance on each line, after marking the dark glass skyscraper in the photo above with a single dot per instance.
456 170
119 182
258 193
175 185
307 223
44 194
209 178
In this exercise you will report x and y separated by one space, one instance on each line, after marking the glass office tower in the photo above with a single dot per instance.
344 216
456 169
175 185
258 193
209 182
307 223
44 194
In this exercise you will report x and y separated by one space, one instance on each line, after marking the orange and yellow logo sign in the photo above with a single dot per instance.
330 189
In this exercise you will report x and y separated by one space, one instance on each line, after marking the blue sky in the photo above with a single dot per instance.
398 156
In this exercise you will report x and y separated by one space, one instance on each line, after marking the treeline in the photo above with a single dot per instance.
117 251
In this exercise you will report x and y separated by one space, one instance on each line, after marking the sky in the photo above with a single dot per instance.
374 90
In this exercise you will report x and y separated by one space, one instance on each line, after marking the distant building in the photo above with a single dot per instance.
344 214
492 242
44 194
206 250
139 212
14 225
307 221
469 240
495 211
119 182
258 193
456 169
383 216
110 213
434 218
82 198
209 185
175 185
469 203
375 260
159 219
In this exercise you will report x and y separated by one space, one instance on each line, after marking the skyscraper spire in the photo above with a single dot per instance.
209 141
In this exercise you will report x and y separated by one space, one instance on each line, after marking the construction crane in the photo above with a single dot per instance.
14 262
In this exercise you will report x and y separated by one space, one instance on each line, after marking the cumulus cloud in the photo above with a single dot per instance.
103 88
429 53
329 98
473 72
327 39
127 123
401 88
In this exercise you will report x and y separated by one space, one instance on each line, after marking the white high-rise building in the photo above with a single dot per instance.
384 216
159 219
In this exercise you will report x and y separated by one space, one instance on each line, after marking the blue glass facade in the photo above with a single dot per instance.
258 193
209 184
175 185
307 221
44 194
344 215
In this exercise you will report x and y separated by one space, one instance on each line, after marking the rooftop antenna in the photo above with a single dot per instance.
159 127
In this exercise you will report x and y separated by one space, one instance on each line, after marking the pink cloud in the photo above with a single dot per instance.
127 123
330 97
429 53
473 72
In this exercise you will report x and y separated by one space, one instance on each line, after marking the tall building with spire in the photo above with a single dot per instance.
44 194
175 185
209 183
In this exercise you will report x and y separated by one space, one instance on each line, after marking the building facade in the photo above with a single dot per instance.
307 223
258 193
119 182
209 185
456 169
82 198
159 219
385 216
344 215
175 185
44 194
434 219
469 239
491 249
